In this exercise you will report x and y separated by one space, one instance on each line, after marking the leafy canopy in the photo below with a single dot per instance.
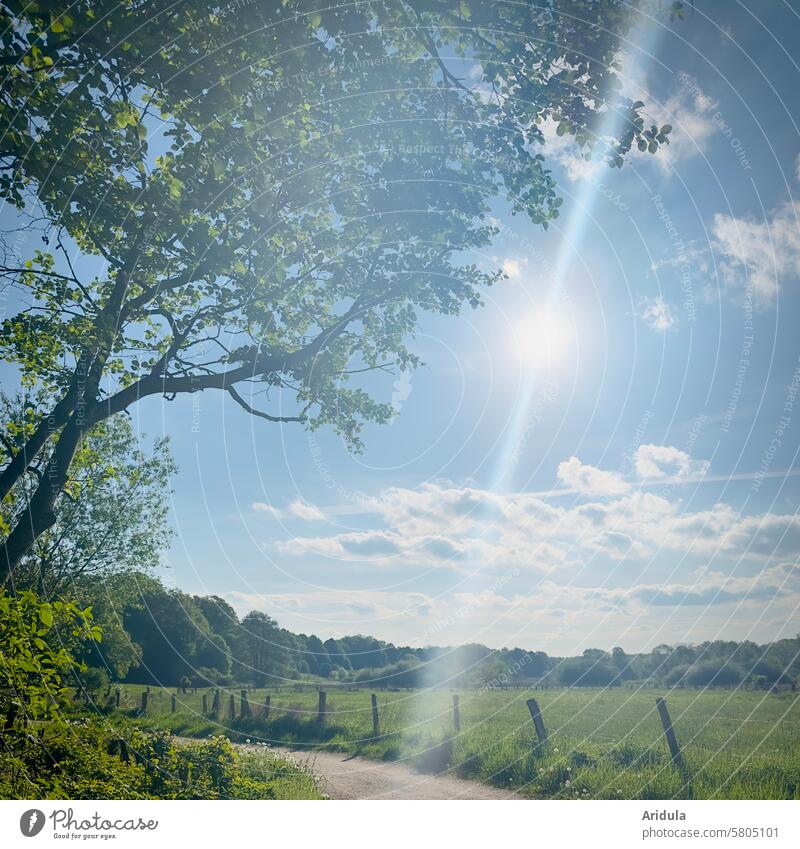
264 199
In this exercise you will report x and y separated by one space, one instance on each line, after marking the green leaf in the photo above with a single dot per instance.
46 615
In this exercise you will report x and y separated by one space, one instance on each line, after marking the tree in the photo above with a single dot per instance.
712 673
224 623
111 516
298 208
172 632
587 671
316 657
108 599
268 658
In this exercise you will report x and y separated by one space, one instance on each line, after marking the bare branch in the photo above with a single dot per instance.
262 415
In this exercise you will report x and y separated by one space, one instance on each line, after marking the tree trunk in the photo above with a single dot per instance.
27 454
40 514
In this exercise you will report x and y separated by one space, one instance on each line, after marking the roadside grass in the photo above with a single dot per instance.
280 777
603 744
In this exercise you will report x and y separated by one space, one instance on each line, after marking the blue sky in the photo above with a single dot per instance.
604 454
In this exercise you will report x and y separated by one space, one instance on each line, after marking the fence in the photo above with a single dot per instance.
265 711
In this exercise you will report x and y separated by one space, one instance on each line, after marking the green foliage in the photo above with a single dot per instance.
89 759
92 679
36 638
112 516
172 634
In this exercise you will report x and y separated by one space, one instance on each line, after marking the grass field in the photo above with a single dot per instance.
602 744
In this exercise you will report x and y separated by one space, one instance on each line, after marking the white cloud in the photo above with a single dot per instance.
335 611
764 253
549 616
297 509
658 314
590 480
690 112
301 509
667 463
542 569
474 531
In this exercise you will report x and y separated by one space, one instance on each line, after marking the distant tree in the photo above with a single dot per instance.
171 631
316 657
595 654
298 211
268 656
336 654
110 597
229 637
586 672
676 675
363 652
710 673
213 655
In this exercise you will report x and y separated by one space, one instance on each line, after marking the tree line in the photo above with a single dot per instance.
166 637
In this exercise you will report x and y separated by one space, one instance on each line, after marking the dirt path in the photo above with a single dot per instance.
344 777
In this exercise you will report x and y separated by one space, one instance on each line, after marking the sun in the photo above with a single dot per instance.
543 339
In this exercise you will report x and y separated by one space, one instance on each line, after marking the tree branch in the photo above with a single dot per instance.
262 415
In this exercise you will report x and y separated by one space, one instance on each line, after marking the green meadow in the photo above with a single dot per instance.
601 744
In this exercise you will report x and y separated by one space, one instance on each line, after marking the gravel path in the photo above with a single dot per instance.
342 776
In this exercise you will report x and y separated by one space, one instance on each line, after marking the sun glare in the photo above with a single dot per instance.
544 339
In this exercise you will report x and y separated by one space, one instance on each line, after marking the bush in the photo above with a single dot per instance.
676 674
90 759
32 667
712 673
93 679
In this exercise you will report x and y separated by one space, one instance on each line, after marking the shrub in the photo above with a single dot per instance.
92 679
712 673
35 638
676 674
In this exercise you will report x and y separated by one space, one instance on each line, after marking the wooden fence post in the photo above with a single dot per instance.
456 714
267 700
538 722
215 706
376 726
116 698
145 694
232 707
321 708
244 705
669 733
205 704
173 703
118 746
